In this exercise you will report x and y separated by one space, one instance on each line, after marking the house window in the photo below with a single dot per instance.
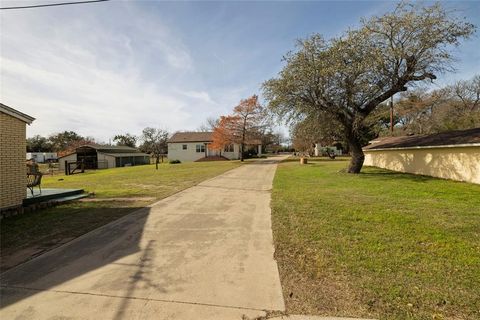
200 148
184 147
228 148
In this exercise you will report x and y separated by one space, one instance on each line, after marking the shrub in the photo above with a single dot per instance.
175 161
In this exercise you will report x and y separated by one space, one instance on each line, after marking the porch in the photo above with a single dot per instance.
59 195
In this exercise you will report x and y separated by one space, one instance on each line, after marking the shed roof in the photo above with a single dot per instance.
16 114
126 154
444 139
110 149
66 155
117 151
191 137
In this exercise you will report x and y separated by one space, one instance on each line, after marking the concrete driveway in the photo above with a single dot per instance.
204 253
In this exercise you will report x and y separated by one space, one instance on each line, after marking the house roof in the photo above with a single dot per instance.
16 114
455 138
179 137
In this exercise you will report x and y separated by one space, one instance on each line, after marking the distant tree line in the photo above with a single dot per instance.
152 141
61 143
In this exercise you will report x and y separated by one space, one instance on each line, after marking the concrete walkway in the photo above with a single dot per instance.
204 253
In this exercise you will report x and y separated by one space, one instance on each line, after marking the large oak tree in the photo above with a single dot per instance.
348 77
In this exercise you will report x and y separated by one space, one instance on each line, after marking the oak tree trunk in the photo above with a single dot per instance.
358 157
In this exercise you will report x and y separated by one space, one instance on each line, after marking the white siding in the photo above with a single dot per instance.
176 152
213 153
69 158
233 155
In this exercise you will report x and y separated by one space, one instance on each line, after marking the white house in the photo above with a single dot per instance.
192 146
319 150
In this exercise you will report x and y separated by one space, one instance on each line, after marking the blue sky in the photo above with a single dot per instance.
119 66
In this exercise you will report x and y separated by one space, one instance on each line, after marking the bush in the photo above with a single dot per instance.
175 161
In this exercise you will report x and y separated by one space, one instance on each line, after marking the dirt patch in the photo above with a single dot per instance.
10 260
129 199
147 186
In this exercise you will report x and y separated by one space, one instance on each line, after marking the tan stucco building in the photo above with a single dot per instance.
13 171
451 155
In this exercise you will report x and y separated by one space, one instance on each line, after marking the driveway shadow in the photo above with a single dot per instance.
98 248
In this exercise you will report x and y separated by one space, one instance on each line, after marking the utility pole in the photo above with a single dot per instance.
391 115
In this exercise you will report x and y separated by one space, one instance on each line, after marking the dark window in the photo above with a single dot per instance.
200 148
229 148
184 147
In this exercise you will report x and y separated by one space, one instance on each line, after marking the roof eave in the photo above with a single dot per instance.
204 141
16 114
69 154
463 145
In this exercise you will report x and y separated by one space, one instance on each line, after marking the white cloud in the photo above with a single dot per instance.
200 95
82 71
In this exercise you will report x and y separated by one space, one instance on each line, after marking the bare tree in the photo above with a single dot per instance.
468 92
209 125
453 107
154 142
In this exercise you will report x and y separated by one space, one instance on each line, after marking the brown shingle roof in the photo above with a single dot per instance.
179 137
191 137
449 138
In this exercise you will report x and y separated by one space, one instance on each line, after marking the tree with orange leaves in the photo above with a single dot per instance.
241 126
223 133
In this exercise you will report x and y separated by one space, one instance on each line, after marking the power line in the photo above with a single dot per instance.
52 4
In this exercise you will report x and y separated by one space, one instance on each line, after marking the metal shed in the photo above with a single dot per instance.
103 157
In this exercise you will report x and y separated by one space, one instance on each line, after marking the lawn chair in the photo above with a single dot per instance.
34 180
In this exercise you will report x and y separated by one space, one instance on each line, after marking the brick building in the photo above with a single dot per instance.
13 181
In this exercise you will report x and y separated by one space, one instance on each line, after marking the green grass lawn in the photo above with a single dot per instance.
118 191
378 244
141 181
